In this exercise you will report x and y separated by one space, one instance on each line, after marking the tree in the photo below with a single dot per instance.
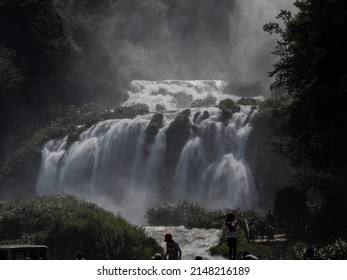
312 70
309 120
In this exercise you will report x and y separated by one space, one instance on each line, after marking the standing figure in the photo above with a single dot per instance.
79 256
231 224
173 250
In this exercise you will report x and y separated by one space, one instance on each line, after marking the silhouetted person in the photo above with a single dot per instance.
270 218
309 254
231 224
198 258
79 256
173 250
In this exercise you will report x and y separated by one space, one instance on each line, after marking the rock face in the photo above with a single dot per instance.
177 136
151 131
271 172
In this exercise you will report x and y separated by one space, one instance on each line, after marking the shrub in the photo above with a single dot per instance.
67 224
336 250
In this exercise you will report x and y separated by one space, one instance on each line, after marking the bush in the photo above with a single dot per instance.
187 213
336 250
67 224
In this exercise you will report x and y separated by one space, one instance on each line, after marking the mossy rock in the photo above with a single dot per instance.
152 130
177 136
131 111
196 116
228 107
186 112
160 108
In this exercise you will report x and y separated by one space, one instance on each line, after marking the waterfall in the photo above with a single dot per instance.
107 165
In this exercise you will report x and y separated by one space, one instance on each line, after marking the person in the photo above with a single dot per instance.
198 258
231 224
173 250
248 256
310 253
156 256
270 218
79 256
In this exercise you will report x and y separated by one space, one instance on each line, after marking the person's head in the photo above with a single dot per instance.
310 252
79 255
231 216
156 256
168 237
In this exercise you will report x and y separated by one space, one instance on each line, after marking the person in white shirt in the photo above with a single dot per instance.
231 224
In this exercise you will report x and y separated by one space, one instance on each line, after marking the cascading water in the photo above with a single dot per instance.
112 165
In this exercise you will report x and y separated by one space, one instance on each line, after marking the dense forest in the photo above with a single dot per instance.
55 53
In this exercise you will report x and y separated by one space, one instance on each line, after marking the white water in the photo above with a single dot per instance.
107 164
193 242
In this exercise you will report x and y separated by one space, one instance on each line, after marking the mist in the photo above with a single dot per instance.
250 55
210 40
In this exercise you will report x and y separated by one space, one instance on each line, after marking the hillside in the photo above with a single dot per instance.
67 224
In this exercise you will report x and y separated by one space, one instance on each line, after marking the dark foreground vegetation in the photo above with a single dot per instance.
67 225
307 122
285 244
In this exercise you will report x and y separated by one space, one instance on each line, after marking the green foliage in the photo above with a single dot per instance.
280 250
312 70
336 250
130 112
308 121
67 224
228 107
10 74
187 213
193 214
